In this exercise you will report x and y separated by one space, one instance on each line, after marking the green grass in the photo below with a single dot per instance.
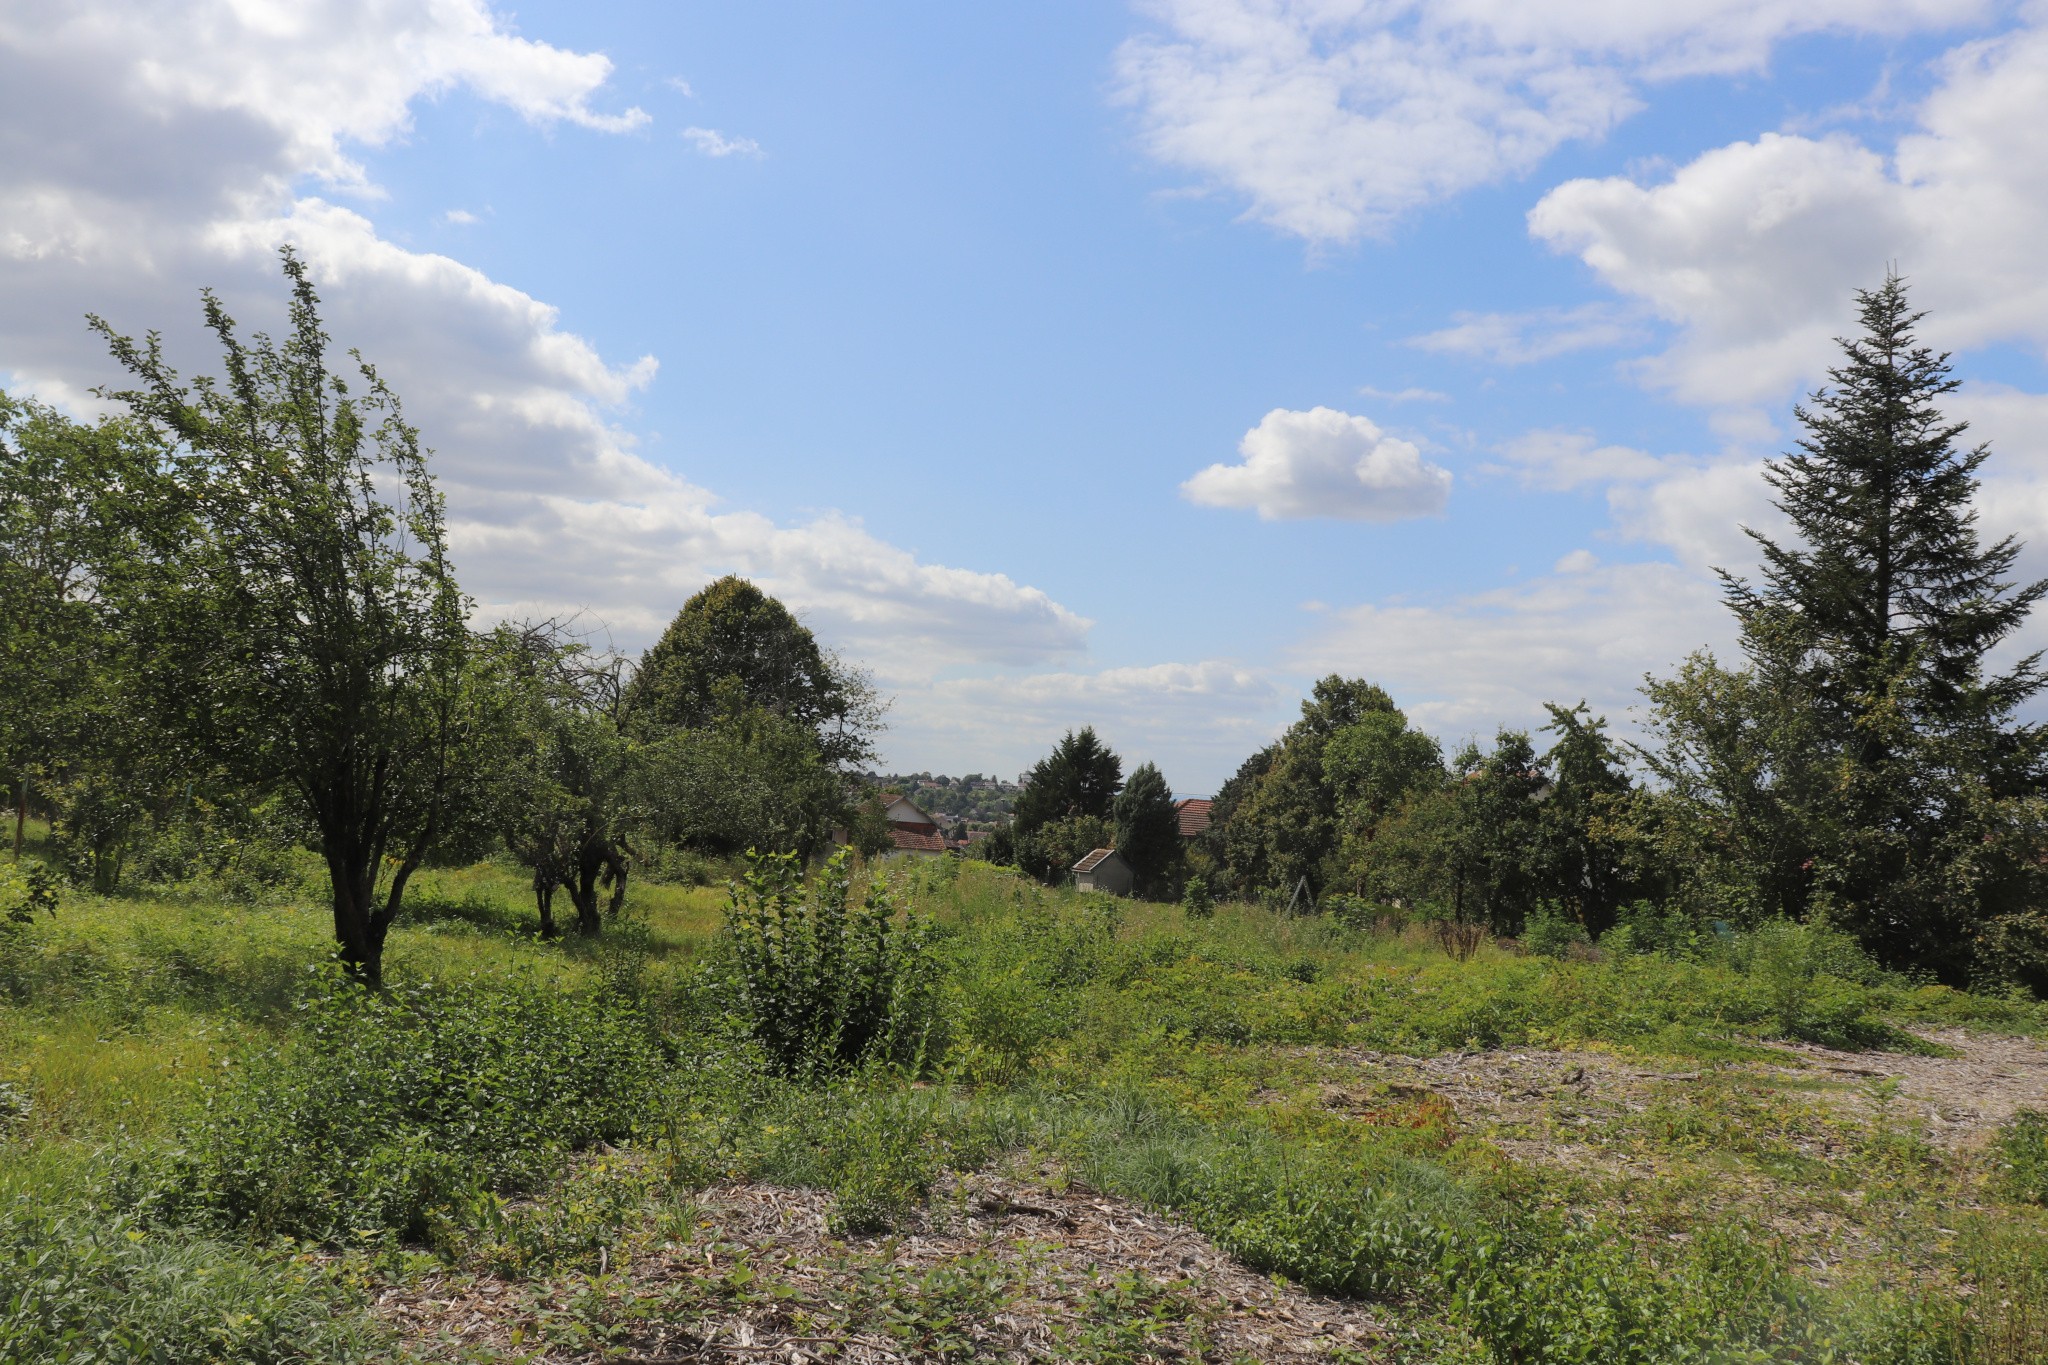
524 1108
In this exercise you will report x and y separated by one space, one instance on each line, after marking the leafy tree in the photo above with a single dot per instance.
1050 851
1148 830
304 628
1278 820
1466 852
1582 859
734 648
76 503
867 828
1868 764
1080 776
564 768
752 779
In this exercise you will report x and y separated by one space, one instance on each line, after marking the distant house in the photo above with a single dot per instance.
1103 870
913 833
1194 815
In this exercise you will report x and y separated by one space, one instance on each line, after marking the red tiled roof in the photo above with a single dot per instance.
1093 860
1194 815
915 841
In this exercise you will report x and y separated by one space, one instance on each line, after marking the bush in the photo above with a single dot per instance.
1550 933
388 1113
1196 902
26 891
83 1285
825 985
1812 982
2022 1155
1643 927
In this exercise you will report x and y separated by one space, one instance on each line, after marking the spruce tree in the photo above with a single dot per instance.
1890 584
1878 620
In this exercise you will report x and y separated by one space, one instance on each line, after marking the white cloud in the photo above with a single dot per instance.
1197 720
1754 249
1407 395
1335 117
1523 338
459 217
1559 460
1324 463
711 142
126 182
1587 631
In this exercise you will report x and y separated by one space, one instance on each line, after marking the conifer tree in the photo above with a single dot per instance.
1148 829
1889 591
1877 621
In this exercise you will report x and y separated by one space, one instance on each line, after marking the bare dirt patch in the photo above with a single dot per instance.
1523 1095
1960 1099
1001 1270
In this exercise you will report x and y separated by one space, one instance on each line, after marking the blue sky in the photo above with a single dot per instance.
931 318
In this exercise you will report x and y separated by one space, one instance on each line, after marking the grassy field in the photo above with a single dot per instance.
1130 1136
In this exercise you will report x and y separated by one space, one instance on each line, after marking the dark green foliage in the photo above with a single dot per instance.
733 648
824 984
1583 858
294 625
1080 777
1466 854
385 1114
1148 830
751 779
867 827
1868 765
1550 934
1050 851
79 507
1196 902
1308 806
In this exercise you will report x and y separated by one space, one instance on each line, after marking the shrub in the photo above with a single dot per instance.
824 984
385 1113
1196 902
26 891
83 1285
1550 933
1644 927
2022 1155
1810 982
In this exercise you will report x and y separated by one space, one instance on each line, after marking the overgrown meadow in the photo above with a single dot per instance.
218 1149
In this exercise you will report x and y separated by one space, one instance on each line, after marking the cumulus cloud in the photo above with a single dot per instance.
459 217
711 142
1198 720
1324 463
1332 118
1586 631
1559 460
1524 338
1753 249
126 181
